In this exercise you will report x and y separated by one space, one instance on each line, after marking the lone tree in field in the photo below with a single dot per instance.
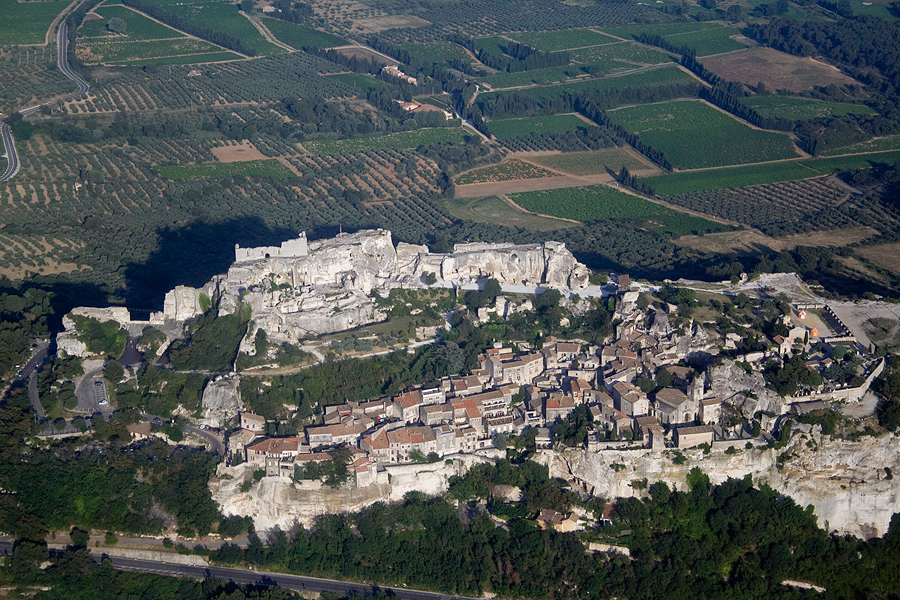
117 25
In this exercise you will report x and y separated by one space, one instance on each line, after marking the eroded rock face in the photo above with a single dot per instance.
68 341
279 502
221 400
746 392
331 287
845 481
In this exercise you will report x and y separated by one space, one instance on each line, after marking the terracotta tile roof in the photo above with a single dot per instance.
312 457
409 400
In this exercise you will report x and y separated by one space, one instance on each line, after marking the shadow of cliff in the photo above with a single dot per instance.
191 254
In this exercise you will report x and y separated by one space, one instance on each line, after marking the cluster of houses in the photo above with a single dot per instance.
521 387
512 390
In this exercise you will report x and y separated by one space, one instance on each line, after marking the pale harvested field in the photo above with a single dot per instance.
775 69
752 241
376 24
243 152
886 256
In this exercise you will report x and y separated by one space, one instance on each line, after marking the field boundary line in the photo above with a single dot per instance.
506 198
627 190
264 31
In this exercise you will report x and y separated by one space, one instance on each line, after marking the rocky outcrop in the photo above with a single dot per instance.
746 392
280 502
844 481
331 287
68 341
221 401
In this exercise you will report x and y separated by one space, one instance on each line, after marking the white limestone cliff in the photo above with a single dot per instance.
68 341
221 401
845 481
279 502
330 286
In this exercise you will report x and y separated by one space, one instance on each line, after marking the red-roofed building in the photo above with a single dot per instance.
406 407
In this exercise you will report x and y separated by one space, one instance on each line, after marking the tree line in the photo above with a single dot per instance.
516 57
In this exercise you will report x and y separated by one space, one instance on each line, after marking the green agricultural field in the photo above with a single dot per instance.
539 76
492 44
724 179
552 41
27 22
710 41
860 161
891 142
498 211
359 80
260 168
139 27
391 141
676 127
791 170
222 15
600 203
145 42
594 162
801 109
876 9
628 54
298 36
646 79
511 128
183 50
664 29
438 52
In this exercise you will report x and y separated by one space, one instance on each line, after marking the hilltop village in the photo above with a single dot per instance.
667 378
520 388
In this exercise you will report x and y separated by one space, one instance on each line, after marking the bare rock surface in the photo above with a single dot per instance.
280 502
747 392
221 400
845 481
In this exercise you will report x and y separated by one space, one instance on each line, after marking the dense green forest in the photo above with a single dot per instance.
102 485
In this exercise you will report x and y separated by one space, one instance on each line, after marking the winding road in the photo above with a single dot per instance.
12 159
62 60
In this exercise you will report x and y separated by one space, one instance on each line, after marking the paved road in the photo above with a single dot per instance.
62 61
30 372
215 444
62 44
12 159
250 577
290 582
